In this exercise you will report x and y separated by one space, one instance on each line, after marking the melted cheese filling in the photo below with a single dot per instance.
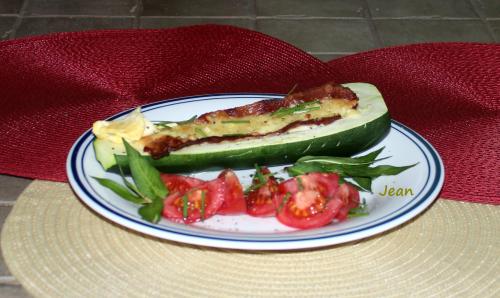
255 125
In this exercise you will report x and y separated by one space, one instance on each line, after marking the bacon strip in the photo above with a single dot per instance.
271 105
160 146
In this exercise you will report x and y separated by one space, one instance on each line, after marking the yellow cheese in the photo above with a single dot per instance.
131 128
258 124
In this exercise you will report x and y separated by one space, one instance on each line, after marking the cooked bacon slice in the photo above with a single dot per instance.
271 105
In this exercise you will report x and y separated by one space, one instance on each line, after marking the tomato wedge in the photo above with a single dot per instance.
234 200
312 200
179 183
304 202
198 203
262 191
349 195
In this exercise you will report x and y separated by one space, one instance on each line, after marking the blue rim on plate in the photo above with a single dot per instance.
79 180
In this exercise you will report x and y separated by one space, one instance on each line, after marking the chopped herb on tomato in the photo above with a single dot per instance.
284 201
185 206
200 202
260 194
299 183
316 195
313 200
202 212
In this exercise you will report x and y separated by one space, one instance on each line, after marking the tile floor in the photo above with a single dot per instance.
325 28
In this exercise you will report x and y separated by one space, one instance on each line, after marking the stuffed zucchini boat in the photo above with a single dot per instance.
327 120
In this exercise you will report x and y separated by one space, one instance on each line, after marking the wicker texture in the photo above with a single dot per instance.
56 247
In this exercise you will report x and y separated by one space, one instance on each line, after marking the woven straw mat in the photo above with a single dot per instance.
56 247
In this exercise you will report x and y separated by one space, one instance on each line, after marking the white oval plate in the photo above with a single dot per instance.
414 189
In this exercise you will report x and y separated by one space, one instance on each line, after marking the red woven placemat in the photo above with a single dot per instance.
54 87
449 93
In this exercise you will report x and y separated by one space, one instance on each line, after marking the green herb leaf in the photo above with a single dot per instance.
258 174
338 160
146 177
346 170
132 186
365 183
358 214
200 132
120 190
152 211
301 168
252 188
300 108
370 156
185 205
260 178
333 160
235 121
300 185
382 170
202 211
258 185
285 200
361 210
361 160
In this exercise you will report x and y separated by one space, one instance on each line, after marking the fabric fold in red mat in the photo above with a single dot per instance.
54 87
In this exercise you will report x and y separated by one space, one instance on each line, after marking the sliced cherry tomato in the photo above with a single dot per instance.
234 200
179 183
203 201
260 197
349 195
308 201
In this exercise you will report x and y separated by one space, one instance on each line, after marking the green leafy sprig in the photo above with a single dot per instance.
361 210
120 190
261 179
147 190
359 169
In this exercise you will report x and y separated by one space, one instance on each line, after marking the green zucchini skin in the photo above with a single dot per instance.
345 143
340 138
